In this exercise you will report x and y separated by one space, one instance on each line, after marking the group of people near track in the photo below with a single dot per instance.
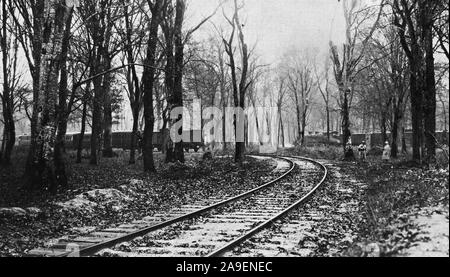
362 150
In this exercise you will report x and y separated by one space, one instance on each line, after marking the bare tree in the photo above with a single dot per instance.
393 68
203 75
323 84
99 18
45 169
281 97
8 47
346 64
239 87
415 21
300 79
212 58
172 26
28 19
132 37
148 81
254 97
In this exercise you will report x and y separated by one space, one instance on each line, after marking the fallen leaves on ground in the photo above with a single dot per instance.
170 187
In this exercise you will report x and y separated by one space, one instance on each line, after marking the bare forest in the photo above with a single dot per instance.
129 108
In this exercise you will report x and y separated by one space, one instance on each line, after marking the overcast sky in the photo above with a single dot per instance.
277 25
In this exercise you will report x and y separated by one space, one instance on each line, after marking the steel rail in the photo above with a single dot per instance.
269 222
90 250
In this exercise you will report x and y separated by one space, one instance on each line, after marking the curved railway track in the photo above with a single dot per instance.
265 224
212 230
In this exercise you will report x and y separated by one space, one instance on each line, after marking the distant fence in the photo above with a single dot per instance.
376 139
122 140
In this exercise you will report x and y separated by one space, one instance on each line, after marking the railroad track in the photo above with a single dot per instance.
198 230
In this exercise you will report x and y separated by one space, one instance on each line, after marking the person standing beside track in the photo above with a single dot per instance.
386 152
362 149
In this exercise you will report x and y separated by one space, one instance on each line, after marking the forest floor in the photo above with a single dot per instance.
382 208
397 211
370 208
113 193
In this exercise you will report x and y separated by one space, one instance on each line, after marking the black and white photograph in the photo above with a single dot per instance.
261 131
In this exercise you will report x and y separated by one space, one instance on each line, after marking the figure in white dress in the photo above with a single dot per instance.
386 152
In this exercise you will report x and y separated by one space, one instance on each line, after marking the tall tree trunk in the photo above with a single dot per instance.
224 127
134 136
63 110
83 126
44 171
283 141
134 87
404 146
429 102
9 133
243 85
240 89
383 122
299 119
178 80
416 113
394 132
305 109
223 96
259 130
328 123
100 27
444 111
246 131
346 133
169 79
9 136
148 80
107 116
36 40
96 113
165 136
408 26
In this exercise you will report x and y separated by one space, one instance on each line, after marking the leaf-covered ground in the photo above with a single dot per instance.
395 196
433 233
173 185
363 209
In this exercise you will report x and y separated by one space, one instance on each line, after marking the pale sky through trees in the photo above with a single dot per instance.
278 25
274 25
